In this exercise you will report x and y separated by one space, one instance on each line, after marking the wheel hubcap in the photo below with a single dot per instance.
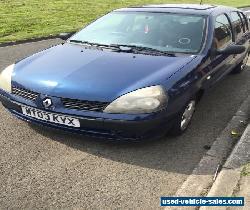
187 115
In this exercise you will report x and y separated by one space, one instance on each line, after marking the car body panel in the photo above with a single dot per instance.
72 71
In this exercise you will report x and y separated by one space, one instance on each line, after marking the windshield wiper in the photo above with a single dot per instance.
89 43
83 42
106 46
125 48
136 48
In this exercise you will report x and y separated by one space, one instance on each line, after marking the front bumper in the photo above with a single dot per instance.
118 129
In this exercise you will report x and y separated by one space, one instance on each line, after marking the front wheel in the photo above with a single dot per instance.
184 118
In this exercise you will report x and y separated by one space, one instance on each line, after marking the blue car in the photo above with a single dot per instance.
135 73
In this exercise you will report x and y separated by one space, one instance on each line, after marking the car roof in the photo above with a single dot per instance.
202 9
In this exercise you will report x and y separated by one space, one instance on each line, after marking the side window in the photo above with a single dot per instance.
243 21
244 18
222 32
237 24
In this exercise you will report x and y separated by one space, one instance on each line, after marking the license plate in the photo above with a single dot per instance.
50 117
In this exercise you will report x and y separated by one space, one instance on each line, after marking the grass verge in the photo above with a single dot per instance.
23 19
246 170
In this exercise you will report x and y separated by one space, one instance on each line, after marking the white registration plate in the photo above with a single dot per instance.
50 117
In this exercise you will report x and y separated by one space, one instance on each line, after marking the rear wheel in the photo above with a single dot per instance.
184 118
240 67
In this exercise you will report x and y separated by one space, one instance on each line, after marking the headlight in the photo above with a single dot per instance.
145 100
5 78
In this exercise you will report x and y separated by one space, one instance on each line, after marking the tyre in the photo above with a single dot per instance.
184 118
240 67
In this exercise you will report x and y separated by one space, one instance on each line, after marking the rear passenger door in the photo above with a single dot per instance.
222 38
240 29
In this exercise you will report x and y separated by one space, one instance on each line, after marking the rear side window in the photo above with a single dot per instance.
244 19
237 25
222 32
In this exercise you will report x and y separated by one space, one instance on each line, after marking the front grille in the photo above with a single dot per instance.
83 105
24 93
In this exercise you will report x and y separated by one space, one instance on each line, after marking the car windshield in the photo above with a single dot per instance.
168 32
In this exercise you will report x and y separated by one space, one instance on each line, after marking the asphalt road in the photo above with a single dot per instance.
43 168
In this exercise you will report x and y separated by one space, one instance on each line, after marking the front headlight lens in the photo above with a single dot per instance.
5 78
145 100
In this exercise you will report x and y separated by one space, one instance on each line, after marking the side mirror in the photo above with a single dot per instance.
65 36
231 50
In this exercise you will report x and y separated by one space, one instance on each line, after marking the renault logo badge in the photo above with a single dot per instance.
47 103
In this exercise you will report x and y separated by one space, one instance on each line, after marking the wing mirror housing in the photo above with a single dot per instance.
65 36
231 50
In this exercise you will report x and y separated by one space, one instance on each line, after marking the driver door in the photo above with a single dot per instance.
222 38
